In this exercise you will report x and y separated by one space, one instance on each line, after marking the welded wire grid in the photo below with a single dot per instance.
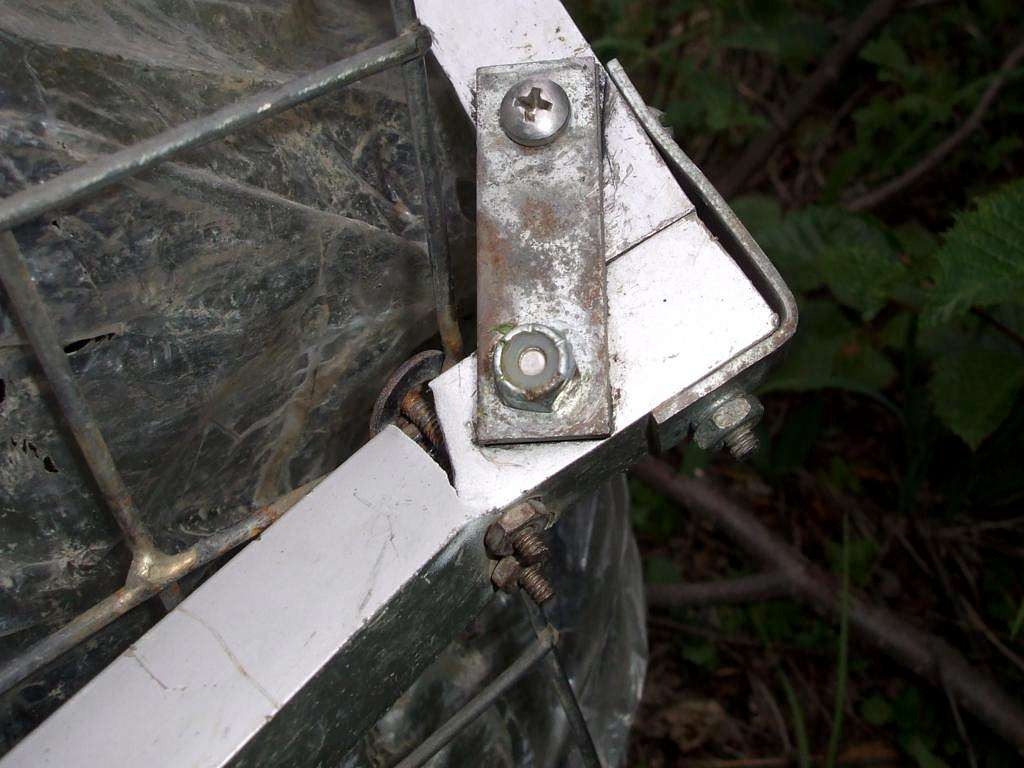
153 571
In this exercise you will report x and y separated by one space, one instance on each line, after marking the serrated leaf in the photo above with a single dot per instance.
891 58
981 262
862 277
829 351
973 390
810 245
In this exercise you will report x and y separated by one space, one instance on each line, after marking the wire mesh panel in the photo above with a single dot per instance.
225 365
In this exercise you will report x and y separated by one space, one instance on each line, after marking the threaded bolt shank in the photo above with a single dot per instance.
535 585
530 548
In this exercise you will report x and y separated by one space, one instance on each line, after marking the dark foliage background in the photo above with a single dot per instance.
893 204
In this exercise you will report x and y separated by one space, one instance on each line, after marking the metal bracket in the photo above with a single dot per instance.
542 367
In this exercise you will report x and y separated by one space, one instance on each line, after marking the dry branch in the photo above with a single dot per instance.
891 188
746 589
759 150
920 652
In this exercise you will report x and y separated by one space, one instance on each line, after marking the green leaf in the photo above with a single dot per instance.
981 262
973 390
1017 622
799 724
652 514
877 710
862 554
861 276
661 570
825 245
923 756
702 653
891 58
829 351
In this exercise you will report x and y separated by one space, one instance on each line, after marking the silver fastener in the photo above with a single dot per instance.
731 423
533 365
534 112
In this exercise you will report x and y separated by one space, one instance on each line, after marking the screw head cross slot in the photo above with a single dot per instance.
534 112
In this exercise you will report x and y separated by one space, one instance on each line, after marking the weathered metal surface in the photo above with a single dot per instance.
540 257
432 183
410 375
676 416
287 655
640 196
678 309
229 316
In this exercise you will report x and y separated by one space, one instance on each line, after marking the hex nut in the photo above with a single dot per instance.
527 515
533 365
505 575
534 112
731 423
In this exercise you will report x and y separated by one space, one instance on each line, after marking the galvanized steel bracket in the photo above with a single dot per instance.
540 255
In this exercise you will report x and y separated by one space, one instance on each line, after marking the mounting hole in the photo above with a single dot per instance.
532 361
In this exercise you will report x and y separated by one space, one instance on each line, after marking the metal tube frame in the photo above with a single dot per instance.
152 571
415 74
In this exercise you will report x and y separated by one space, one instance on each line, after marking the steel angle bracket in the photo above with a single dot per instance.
542 367
674 418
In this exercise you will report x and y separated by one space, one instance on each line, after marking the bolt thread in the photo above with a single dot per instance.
535 585
416 408
742 443
530 548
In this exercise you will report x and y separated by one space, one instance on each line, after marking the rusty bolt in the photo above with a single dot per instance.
535 585
532 366
531 516
529 547
505 575
415 407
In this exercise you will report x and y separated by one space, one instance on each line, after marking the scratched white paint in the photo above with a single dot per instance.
226 659
640 195
678 307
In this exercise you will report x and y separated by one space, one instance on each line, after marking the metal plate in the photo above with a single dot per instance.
640 196
540 256
678 309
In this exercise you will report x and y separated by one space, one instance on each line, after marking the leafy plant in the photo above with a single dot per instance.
848 268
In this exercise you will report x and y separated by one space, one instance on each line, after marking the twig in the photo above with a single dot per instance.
882 758
744 589
842 664
1000 326
727 639
918 651
977 622
876 196
961 728
758 151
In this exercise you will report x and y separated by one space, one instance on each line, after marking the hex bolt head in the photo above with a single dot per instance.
534 112
505 575
532 364
504 535
731 423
